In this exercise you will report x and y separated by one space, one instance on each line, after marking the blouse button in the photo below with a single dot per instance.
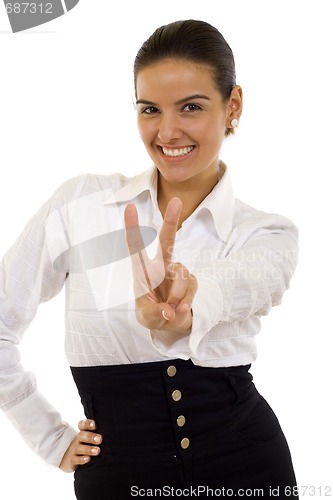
185 443
176 395
171 371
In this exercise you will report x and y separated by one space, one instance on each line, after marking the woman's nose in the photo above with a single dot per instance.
169 128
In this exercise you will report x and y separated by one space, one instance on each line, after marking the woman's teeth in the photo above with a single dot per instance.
177 152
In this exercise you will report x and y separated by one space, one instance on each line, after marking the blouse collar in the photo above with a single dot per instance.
219 202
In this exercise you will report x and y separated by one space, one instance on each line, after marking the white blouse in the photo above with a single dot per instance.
242 258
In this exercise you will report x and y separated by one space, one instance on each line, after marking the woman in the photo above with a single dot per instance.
160 348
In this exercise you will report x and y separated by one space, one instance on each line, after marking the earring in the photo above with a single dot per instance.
234 122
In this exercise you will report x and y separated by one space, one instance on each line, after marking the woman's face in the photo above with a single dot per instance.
181 119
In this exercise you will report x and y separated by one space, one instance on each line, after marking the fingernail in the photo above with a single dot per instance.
164 316
186 307
97 439
92 424
95 451
86 459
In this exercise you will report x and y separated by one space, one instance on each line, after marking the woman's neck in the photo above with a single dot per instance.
191 193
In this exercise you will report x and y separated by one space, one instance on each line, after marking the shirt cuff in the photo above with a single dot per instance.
171 344
42 428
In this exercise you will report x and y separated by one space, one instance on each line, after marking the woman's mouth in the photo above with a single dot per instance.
176 152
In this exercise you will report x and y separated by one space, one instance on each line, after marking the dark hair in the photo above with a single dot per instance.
195 41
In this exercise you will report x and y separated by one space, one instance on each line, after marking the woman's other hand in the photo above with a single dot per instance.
82 448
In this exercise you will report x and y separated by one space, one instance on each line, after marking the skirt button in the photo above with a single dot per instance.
176 395
181 421
171 371
185 443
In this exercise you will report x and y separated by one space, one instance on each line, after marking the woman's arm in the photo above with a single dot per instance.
247 280
27 278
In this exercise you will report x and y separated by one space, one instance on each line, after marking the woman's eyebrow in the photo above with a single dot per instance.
143 101
181 101
191 97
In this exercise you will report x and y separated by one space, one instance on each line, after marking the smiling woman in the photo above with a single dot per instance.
162 372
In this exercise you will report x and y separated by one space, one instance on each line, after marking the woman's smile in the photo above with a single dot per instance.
177 153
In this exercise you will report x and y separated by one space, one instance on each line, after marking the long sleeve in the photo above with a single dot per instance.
248 281
27 278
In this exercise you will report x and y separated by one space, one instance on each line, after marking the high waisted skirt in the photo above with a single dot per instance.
174 429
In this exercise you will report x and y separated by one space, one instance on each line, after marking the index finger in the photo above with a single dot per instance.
87 425
134 237
135 241
169 228
147 275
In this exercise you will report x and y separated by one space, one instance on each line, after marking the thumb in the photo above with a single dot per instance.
167 311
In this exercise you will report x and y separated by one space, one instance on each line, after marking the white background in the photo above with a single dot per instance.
66 108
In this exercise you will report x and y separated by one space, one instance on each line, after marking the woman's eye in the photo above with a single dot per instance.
192 107
150 110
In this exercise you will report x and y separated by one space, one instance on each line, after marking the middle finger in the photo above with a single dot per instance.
169 229
180 277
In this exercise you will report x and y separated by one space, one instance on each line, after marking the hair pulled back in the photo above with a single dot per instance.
195 41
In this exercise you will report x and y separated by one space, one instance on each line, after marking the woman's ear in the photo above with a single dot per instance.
235 105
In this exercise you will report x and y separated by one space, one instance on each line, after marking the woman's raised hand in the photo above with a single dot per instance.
164 289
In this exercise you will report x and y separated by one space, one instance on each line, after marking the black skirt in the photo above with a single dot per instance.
174 429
